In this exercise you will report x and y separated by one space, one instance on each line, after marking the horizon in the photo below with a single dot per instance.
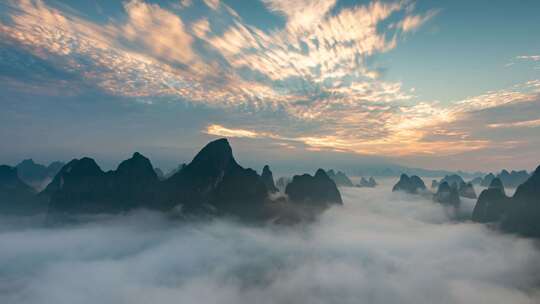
421 84
353 172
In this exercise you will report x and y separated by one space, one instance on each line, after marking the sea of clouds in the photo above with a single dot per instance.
380 247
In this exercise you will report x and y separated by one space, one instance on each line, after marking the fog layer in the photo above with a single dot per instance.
380 247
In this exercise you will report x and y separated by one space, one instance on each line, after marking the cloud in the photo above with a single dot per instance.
381 247
303 13
201 28
145 21
517 124
312 75
222 131
186 3
524 58
529 57
401 130
213 4
294 64
413 22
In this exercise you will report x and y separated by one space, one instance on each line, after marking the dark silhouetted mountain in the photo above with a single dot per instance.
318 190
487 180
496 183
135 181
82 187
452 179
394 170
36 175
509 179
340 178
514 178
466 190
214 181
491 204
16 197
364 183
447 195
412 184
268 179
457 182
523 213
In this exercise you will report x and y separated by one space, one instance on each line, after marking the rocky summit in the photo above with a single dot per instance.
452 179
413 184
486 181
491 204
268 179
318 190
214 181
367 183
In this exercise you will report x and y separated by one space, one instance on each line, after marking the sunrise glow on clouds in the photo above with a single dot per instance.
314 70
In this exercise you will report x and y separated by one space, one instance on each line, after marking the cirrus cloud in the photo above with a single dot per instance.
314 73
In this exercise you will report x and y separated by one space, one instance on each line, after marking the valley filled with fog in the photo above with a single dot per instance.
379 247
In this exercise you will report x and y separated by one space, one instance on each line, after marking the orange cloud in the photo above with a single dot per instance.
158 30
226 132
401 131
313 73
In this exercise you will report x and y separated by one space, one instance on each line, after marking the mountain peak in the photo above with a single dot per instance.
321 174
215 156
138 166
28 161
409 184
319 189
496 183
268 179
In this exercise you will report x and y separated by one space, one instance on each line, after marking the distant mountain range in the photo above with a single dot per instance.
509 179
393 170
517 214
213 183
37 175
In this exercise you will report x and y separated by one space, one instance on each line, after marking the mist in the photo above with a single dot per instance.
380 247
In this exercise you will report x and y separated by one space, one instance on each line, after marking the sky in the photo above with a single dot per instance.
431 84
